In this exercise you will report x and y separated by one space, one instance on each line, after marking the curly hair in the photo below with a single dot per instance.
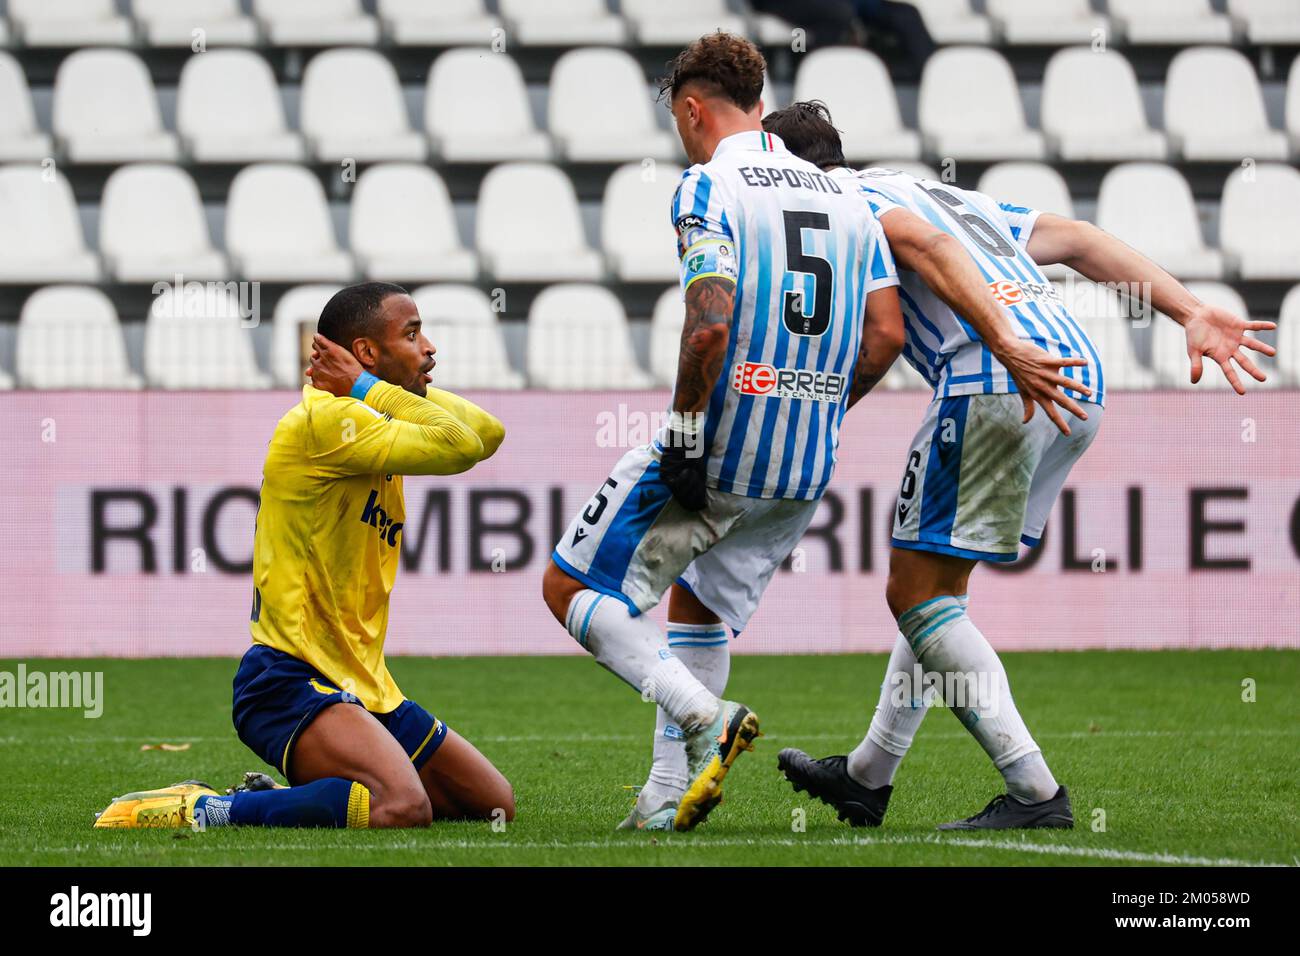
807 131
729 65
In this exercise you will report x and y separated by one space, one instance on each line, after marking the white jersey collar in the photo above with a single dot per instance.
754 139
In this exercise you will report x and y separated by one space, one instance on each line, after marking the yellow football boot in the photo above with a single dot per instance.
710 754
167 807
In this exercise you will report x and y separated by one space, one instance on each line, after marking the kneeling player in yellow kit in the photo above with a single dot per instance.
325 558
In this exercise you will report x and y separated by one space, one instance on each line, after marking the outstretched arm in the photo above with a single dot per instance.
1211 332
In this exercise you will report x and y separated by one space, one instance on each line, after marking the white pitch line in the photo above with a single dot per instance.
1014 846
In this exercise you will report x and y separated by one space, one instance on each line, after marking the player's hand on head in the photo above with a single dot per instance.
333 368
1038 378
1221 337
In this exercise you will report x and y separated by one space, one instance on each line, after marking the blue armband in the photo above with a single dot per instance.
363 385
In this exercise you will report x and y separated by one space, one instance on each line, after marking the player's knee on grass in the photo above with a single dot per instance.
400 806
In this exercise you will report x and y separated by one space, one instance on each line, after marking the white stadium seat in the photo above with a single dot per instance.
1170 21
1054 24
476 110
105 109
1268 21
316 22
200 341
771 30
1258 220
41 239
528 227
1214 108
69 337
278 227
402 227
70 23
970 107
20 137
666 335
953 21
1293 106
636 227
5 382
564 22
1169 344
617 125
1034 185
140 245
856 87
678 22
1149 206
1106 318
353 108
578 337
421 23
1288 339
1092 109
298 306
471 352
228 110
172 23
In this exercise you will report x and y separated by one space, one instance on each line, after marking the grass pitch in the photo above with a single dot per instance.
1165 763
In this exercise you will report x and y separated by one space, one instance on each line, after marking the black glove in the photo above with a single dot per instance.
682 468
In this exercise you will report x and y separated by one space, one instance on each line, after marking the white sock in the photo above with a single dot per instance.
706 652
874 762
945 641
636 650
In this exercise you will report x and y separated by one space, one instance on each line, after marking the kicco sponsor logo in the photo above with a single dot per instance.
756 378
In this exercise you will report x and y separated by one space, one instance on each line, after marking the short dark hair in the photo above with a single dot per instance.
352 313
730 65
807 131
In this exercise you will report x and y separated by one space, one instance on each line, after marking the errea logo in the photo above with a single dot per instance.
1014 292
757 378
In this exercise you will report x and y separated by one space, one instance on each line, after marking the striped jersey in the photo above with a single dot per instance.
941 344
804 251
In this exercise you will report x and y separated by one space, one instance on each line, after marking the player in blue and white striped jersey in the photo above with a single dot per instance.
791 305
982 325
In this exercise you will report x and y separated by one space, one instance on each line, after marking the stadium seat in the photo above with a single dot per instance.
1092 110
1106 318
666 335
228 110
1034 185
1170 21
970 107
617 125
41 240
1169 344
278 227
528 227
678 22
316 22
564 23
69 337
1214 108
1258 219
70 23
476 110
171 23
636 228
298 306
447 22
200 342
140 245
578 337
1267 21
1288 339
402 227
953 21
1293 107
1052 24
4 41
1149 206
105 109
864 107
770 30
471 352
20 137
353 108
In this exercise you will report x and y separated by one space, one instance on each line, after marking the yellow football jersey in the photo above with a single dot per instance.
328 536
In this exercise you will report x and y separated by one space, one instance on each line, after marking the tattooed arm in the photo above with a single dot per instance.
709 303
882 341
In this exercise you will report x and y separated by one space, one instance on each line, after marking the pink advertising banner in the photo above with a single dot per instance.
129 519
